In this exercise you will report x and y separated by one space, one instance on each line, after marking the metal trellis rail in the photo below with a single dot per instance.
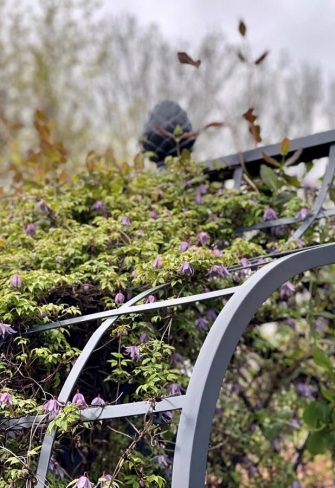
198 404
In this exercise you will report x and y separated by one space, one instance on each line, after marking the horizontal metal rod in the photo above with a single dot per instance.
146 307
106 412
315 146
283 221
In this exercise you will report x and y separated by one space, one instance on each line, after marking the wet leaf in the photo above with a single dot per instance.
242 28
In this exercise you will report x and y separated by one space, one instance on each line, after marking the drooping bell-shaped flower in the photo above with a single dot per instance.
202 323
119 298
184 246
43 207
150 299
52 407
30 229
6 398
203 238
98 401
218 270
6 329
134 352
174 389
79 400
162 460
270 214
157 263
153 214
83 482
98 206
186 269
303 212
15 281
126 221
287 290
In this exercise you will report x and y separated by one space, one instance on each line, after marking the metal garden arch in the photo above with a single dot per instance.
198 404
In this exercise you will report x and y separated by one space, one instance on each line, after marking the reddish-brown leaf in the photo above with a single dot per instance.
261 57
255 131
215 124
184 58
242 28
249 115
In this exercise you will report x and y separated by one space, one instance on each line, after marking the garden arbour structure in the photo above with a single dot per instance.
198 404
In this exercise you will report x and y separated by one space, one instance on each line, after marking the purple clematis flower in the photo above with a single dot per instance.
43 207
295 423
6 398
202 323
30 229
144 338
98 401
153 214
105 481
303 212
201 190
306 391
245 262
218 270
15 281
321 325
56 468
276 444
6 329
162 460
287 290
184 246
296 484
291 323
150 299
203 238
126 221
98 206
52 407
211 314
119 298
79 400
217 253
83 482
177 358
174 389
186 269
157 263
134 352
270 214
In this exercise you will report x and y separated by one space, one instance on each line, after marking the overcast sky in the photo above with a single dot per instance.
306 28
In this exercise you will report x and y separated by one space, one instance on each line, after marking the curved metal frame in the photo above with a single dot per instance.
189 466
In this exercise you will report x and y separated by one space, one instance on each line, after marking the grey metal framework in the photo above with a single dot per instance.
198 404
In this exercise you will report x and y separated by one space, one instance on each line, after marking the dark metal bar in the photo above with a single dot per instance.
284 221
147 307
323 192
202 393
315 146
107 412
